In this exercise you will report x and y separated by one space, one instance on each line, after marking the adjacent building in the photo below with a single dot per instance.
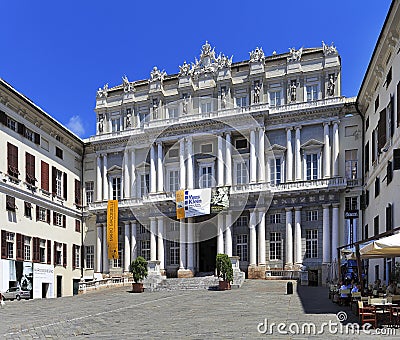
40 200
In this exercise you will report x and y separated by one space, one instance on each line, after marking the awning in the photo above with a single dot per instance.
385 247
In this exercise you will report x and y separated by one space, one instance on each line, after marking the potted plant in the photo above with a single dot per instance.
224 271
138 268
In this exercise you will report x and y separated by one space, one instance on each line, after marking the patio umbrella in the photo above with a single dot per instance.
385 247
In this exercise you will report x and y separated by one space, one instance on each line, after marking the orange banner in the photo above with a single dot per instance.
112 229
180 206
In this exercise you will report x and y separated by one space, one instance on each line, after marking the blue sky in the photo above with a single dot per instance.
59 53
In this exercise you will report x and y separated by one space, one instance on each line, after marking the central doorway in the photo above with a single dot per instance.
207 248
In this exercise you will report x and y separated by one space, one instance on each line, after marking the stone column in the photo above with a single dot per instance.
133 240
182 164
220 161
182 244
228 160
190 163
127 180
298 154
127 250
289 155
98 179
335 151
335 230
261 239
153 179
327 154
160 172
106 261
220 235
105 178
153 243
325 234
297 235
160 243
253 238
261 155
289 237
253 160
190 245
99 242
228 234
133 174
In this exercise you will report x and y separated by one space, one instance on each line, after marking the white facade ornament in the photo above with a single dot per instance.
331 85
157 75
184 70
102 92
295 55
257 55
223 61
328 50
126 84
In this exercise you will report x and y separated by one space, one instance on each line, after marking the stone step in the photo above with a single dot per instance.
195 283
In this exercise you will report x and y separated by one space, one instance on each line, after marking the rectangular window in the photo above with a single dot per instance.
10 203
59 152
206 176
351 164
78 196
12 124
42 251
27 248
377 103
59 219
78 226
312 92
45 176
275 246
174 252
311 243
376 225
145 249
29 134
275 168
173 153
42 214
28 209
174 226
312 215
206 107
351 203
12 160
311 166
242 174
389 172
388 77
242 247
377 186
275 98
389 217
206 148
10 245
116 186
396 159
58 253
89 257
241 101
76 256
274 218
30 169
144 184
241 143
242 221
173 112
173 176
58 178
382 130
89 188
116 124
366 155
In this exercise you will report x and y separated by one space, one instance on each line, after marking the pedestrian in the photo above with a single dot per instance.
2 303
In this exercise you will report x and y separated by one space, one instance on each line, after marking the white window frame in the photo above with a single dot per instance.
77 259
272 169
275 98
312 215
206 105
311 243
145 249
173 112
241 101
275 218
241 163
319 164
173 182
275 246
117 263
89 252
202 165
314 175
144 188
116 185
42 214
115 124
351 165
58 219
11 124
89 188
10 241
314 95
174 252
42 251
59 183
27 248
242 247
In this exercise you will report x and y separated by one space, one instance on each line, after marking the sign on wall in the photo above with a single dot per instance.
190 203
112 229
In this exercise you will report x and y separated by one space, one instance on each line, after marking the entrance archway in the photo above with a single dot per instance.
207 248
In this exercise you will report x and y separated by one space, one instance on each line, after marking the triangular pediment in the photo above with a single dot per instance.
114 169
277 148
312 143
143 165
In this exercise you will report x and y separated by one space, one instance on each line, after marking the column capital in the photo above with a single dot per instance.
152 218
160 218
326 123
326 206
189 138
298 127
335 205
126 223
289 128
336 122
159 142
288 209
298 208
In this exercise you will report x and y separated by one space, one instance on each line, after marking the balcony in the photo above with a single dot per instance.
308 105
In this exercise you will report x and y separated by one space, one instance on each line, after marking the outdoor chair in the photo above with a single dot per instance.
355 297
395 315
367 314
344 300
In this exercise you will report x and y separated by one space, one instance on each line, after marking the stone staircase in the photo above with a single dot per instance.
194 283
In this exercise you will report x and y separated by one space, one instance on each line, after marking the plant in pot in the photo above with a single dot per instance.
138 268
224 271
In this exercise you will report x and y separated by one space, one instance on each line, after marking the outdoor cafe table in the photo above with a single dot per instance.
384 307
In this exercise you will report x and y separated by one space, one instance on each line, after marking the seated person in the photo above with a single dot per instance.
345 285
391 289
356 288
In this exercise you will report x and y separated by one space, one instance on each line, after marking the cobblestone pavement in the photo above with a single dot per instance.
118 314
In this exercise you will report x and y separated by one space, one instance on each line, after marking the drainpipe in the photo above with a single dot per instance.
82 217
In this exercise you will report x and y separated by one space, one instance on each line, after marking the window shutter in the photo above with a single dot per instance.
391 115
389 217
64 221
389 172
64 254
78 200
53 180
396 159
19 255
21 129
30 168
366 159
398 103
3 118
48 216
45 176
54 218
12 160
373 146
3 244
55 253
37 138
37 213
382 130
65 185
78 226
73 256
35 249
48 252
